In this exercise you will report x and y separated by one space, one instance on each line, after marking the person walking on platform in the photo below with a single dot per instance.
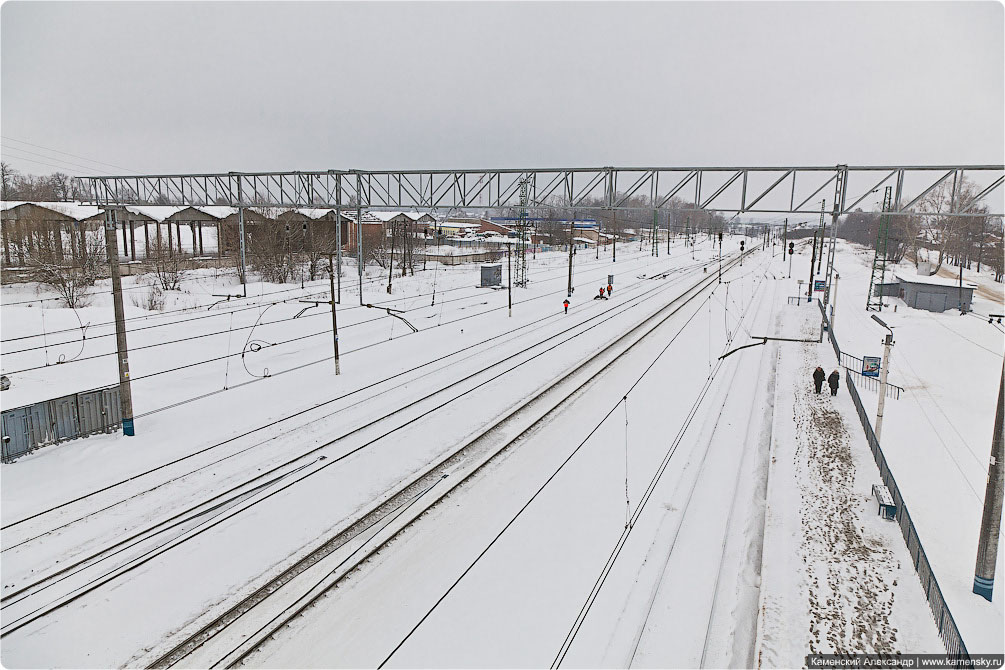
566 304
834 380
818 378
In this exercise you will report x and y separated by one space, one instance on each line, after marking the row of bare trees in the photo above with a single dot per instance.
45 188
970 236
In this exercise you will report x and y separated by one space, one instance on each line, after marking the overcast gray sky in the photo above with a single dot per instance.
198 87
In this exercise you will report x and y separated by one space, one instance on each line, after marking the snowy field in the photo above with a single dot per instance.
597 488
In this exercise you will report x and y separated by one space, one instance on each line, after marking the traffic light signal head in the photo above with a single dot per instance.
792 246
720 236
741 245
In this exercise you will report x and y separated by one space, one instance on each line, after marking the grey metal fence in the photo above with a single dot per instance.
50 421
871 383
944 621
854 364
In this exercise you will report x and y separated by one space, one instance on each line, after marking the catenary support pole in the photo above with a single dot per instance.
359 249
614 249
122 351
823 234
390 265
240 234
720 256
509 271
656 237
338 238
331 278
813 260
883 372
987 544
834 300
572 242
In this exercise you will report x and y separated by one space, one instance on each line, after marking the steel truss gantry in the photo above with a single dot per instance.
743 190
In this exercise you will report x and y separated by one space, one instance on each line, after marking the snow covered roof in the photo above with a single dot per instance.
316 212
72 209
217 211
387 216
457 224
155 212
934 281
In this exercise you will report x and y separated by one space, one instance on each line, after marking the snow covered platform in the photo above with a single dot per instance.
836 577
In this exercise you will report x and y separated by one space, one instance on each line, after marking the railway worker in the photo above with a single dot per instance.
610 290
565 303
818 378
601 296
833 381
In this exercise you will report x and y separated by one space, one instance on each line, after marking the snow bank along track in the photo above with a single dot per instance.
400 509
234 497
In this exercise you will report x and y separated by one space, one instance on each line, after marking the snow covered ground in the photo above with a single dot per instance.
937 437
483 578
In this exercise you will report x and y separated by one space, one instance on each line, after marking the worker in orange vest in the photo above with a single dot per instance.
566 304
610 289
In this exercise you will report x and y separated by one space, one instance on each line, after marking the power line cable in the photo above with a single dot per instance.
554 474
52 158
90 160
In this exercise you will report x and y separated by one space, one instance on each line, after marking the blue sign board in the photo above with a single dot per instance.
819 284
870 366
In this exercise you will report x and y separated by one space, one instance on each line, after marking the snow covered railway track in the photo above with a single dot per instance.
182 526
230 638
712 630
61 510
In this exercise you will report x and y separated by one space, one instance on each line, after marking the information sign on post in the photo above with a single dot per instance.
819 284
870 366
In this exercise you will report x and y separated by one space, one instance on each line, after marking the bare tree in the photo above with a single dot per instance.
945 231
320 243
375 249
70 282
167 266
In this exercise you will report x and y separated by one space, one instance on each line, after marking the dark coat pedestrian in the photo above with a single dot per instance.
818 378
834 380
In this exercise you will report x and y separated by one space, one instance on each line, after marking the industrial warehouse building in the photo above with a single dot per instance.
935 294
29 226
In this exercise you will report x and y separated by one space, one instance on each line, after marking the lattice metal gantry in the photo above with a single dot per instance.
757 190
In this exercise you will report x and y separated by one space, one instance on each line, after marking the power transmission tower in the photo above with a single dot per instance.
875 302
839 201
820 257
521 248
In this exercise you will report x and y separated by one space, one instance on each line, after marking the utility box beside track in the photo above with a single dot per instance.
51 421
491 276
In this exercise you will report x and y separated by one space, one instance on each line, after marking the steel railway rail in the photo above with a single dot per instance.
218 505
642 630
89 515
13 524
412 500
247 303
